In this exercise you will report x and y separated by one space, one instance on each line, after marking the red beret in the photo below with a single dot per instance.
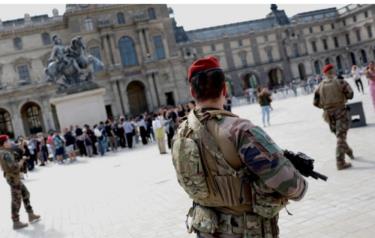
327 67
3 138
203 64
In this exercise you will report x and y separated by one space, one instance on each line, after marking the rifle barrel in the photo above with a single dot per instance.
317 175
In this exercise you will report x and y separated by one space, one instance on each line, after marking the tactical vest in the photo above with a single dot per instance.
331 94
208 166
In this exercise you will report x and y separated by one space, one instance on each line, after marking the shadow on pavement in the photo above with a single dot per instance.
38 230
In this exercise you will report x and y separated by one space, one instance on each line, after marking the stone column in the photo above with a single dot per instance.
124 95
116 95
16 119
47 115
104 45
113 45
142 43
152 91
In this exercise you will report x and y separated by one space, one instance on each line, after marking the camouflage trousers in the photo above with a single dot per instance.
339 124
19 193
258 227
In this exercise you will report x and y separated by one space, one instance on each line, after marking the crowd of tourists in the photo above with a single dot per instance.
106 136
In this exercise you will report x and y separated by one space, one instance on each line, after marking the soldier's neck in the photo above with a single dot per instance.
210 104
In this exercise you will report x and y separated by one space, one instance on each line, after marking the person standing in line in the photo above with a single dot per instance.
264 99
121 133
129 132
331 96
356 74
79 140
169 124
93 138
88 143
157 125
59 147
110 135
102 148
370 74
70 142
142 129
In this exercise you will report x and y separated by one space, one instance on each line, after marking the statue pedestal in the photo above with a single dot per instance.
80 108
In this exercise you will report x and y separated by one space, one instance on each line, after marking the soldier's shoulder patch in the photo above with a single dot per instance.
7 157
263 139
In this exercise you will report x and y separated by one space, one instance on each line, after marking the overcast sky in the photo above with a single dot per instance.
189 16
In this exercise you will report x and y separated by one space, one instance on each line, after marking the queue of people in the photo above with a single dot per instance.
97 140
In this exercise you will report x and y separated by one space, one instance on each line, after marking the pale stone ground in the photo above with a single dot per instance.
135 193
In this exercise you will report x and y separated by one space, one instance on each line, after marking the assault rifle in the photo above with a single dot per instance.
304 164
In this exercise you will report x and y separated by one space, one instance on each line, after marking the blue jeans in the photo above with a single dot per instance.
102 146
266 115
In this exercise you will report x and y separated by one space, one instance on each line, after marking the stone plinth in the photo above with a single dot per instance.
80 108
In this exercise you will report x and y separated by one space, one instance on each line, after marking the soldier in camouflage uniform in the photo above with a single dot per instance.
11 168
235 174
331 96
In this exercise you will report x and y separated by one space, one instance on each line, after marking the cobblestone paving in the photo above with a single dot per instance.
135 193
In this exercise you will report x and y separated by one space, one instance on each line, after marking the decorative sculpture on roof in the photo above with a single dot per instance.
70 65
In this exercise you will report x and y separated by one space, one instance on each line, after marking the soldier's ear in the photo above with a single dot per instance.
225 91
192 92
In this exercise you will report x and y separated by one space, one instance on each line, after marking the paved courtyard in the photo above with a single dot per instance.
135 193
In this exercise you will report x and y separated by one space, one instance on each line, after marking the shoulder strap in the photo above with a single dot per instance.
208 141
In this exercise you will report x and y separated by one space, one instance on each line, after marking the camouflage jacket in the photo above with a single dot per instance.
262 157
8 163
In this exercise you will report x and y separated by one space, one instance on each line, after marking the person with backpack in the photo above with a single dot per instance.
331 96
237 177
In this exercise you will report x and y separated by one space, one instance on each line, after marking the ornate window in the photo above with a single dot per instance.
243 58
325 44
369 31
120 18
317 67
295 50
23 73
17 42
151 13
358 35
5 122
213 47
347 38
127 51
89 24
95 51
33 115
313 46
46 38
159 47
336 42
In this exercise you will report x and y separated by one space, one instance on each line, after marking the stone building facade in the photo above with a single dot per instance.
146 55
278 49
142 68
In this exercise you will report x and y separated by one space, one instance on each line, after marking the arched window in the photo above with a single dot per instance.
120 18
17 42
46 38
127 51
32 118
151 13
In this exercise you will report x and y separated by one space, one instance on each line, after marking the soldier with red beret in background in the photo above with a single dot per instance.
11 168
331 96
237 177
